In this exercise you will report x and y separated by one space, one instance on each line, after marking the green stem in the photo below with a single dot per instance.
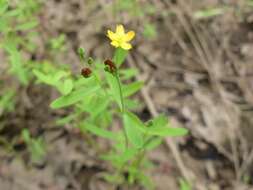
139 158
122 105
120 92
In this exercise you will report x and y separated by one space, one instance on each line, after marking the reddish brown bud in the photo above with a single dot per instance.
86 72
110 65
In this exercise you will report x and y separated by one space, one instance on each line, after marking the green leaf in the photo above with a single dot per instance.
125 5
27 25
73 97
159 121
167 131
58 42
26 135
114 88
127 155
159 126
132 104
17 67
13 13
38 149
134 129
120 159
131 88
59 75
67 119
67 87
113 178
119 56
47 79
3 6
128 73
136 121
4 25
153 142
80 82
149 30
6 101
98 104
146 181
184 185
98 131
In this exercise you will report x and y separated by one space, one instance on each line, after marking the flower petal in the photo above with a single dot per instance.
115 43
129 36
125 46
111 35
120 29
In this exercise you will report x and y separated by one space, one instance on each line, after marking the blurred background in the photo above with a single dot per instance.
195 57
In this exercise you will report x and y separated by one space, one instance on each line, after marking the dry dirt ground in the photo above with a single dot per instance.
197 71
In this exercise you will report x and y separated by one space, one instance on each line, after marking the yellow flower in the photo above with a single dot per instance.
120 38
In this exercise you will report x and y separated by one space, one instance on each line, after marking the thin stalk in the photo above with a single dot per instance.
120 92
122 114
141 155
122 106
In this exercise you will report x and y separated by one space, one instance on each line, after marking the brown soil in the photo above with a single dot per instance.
198 72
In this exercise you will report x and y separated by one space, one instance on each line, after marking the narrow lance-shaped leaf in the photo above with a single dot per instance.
3 6
98 131
67 87
159 121
58 75
134 129
131 88
128 73
98 105
114 88
159 126
27 25
73 97
167 131
66 119
43 77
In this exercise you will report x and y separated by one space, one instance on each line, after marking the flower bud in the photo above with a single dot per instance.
110 66
81 54
90 61
86 72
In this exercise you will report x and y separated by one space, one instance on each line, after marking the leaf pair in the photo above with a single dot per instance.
136 130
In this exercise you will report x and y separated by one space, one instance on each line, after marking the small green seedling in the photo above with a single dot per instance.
18 19
15 18
36 146
58 43
149 31
6 103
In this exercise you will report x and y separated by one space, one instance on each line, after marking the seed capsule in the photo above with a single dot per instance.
86 72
